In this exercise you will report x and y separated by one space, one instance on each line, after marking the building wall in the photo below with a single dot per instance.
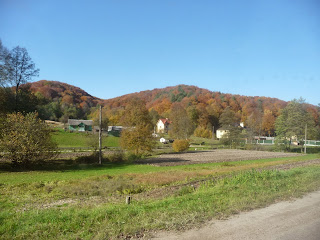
160 127
220 133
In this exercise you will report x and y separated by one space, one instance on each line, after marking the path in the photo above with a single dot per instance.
290 220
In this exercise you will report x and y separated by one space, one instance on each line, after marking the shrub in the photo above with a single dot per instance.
180 145
117 156
26 139
88 159
202 132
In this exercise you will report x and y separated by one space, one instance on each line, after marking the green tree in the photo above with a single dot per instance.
26 139
154 116
181 126
228 119
291 123
137 134
230 122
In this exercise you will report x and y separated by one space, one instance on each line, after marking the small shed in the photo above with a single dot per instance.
80 125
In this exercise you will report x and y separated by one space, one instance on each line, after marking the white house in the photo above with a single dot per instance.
221 132
163 125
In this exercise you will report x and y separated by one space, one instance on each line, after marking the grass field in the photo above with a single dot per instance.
88 202
81 140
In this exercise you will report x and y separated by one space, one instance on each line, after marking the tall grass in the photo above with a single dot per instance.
213 199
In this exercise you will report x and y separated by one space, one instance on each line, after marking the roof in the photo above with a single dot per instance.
79 121
165 120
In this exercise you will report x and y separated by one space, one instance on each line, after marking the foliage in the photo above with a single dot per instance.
95 115
254 123
137 139
204 107
26 139
180 145
268 122
116 156
230 122
181 126
137 136
228 119
291 123
202 132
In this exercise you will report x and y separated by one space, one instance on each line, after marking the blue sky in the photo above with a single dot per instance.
111 48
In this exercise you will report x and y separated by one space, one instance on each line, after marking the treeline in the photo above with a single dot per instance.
205 108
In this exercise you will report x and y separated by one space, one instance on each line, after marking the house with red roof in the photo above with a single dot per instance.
163 125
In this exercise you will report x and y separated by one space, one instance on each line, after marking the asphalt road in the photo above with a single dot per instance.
291 220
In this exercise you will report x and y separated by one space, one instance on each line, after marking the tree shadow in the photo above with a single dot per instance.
163 161
62 165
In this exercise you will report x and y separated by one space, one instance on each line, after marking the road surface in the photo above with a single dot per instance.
290 220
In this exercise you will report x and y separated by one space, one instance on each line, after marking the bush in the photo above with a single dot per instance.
88 159
117 156
202 132
180 145
26 139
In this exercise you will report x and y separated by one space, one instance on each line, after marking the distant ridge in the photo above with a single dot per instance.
161 99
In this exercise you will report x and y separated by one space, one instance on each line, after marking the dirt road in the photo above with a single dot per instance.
295 220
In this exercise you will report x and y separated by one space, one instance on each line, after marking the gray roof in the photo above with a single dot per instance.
78 121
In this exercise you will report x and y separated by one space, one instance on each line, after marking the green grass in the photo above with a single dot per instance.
88 203
78 140
86 171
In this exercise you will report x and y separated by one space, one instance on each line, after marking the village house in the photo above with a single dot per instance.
80 125
221 132
163 125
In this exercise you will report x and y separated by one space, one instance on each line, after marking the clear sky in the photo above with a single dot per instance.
111 48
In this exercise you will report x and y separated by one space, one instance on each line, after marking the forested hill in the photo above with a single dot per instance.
192 96
201 104
54 90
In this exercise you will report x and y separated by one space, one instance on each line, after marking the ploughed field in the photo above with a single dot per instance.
219 155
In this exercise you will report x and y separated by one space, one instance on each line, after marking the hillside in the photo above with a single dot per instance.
54 90
203 106
162 99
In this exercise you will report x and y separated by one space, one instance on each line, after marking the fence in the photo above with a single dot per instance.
312 143
265 142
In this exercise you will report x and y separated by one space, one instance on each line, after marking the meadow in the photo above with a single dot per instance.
84 201
81 140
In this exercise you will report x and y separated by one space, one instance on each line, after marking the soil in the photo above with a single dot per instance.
219 155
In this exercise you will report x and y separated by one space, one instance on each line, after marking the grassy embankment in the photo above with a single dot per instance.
88 202
81 140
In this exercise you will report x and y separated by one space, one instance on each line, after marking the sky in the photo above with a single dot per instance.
114 47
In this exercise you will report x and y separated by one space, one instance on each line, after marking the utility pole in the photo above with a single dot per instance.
305 140
100 135
212 132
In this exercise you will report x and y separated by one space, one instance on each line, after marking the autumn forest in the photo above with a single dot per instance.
60 101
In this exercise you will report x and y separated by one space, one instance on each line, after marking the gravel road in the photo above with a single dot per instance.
290 220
